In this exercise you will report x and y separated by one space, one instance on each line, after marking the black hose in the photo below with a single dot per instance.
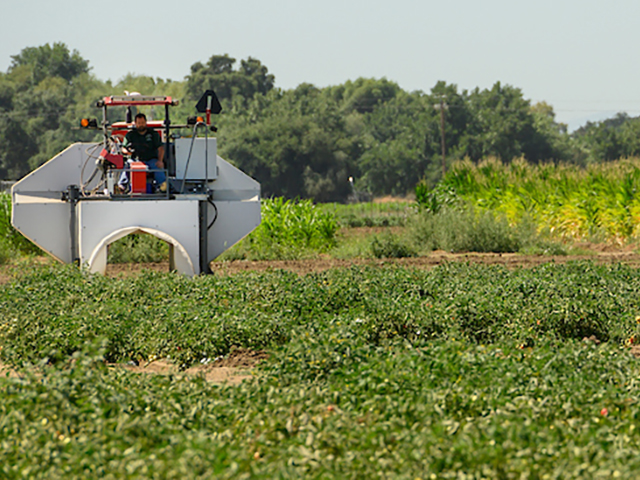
206 153
216 215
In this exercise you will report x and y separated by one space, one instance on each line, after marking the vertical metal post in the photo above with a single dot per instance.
172 262
74 194
204 237
105 131
168 159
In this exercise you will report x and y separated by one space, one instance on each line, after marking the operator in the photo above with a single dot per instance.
145 144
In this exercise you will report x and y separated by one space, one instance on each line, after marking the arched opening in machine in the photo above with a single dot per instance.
140 245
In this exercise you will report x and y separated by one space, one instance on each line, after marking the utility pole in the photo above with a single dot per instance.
442 107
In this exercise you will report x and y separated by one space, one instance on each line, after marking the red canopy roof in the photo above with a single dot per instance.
125 100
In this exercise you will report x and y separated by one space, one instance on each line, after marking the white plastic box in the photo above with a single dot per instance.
197 169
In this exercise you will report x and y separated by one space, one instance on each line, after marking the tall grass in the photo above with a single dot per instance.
601 201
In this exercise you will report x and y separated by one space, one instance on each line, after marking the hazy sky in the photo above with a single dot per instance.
581 56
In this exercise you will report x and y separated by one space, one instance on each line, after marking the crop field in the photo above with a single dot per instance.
462 371
421 367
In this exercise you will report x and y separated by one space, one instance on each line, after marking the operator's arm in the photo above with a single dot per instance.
160 163
126 144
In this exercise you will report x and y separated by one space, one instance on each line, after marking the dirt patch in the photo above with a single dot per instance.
391 199
234 368
241 358
126 269
210 373
599 254
6 371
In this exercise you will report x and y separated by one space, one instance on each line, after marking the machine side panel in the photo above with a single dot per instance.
45 223
233 184
62 170
235 220
178 219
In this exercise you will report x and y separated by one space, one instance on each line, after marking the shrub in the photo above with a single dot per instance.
391 246
464 231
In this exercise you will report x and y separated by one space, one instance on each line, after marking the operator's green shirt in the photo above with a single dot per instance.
146 146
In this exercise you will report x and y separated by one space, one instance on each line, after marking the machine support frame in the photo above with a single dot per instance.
73 194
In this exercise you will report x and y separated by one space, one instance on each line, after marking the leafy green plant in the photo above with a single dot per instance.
439 198
289 229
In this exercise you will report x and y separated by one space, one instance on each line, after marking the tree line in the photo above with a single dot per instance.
307 141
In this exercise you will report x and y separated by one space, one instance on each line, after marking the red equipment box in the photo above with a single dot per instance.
138 177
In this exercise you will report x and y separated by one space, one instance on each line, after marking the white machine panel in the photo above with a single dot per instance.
234 221
177 219
197 169
62 170
45 222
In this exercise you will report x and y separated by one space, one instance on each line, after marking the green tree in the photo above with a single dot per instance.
36 95
609 139
502 123
218 74
293 143
363 94
48 61
395 157
16 147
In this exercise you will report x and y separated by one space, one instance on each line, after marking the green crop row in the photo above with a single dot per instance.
441 410
601 201
463 370
54 311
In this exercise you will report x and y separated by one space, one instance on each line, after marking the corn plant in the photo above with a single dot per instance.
289 229
577 203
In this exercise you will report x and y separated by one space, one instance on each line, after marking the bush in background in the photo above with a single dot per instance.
391 246
471 230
